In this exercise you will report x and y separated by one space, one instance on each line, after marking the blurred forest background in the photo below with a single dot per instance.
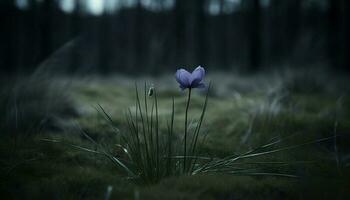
153 36
279 71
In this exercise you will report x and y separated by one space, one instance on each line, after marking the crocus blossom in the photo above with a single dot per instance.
190 80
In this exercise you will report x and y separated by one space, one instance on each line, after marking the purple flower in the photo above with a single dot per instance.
190 80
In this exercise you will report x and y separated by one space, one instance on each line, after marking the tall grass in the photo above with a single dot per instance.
153 154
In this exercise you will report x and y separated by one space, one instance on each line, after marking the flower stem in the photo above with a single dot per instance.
185 139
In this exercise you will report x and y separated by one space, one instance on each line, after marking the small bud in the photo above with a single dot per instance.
150 91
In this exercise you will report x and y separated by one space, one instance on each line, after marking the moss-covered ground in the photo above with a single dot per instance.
239 117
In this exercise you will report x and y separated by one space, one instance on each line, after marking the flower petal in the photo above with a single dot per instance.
197 75
183 77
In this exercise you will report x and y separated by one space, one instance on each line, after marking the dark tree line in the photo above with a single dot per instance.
136 40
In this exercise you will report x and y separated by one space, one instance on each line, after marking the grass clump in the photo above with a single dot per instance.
148 152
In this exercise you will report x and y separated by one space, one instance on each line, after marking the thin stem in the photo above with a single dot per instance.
185 139
170 135
157 132
146 107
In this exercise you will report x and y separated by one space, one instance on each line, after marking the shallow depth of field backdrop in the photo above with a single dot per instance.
280 86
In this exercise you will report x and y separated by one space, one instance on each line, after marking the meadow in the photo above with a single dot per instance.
45 124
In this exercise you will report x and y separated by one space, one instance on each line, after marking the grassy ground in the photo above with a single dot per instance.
243 112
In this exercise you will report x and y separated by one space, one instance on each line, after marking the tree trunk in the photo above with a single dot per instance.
333 30
255 40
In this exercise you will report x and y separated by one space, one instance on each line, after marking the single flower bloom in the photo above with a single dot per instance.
190 80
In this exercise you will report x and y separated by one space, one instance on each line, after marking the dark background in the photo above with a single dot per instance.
70 71
154 36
